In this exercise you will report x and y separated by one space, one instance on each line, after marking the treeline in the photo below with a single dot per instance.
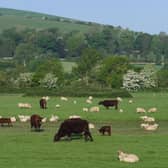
102 55
24 45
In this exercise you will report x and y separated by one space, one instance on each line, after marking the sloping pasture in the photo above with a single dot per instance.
21 147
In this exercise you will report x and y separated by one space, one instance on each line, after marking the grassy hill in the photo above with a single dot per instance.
21 19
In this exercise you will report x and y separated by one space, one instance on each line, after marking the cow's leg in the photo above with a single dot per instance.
69 136
88 134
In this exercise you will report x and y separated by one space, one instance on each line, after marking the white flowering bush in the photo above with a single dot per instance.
49 81
149 76
24 80
133 81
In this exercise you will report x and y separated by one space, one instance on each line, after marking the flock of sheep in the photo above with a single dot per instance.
148 122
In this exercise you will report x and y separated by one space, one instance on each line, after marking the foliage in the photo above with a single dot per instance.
52 66
146 78
49 81
24 80
86 63
112 69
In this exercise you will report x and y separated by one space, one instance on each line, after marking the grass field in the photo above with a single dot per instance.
68 65
22 148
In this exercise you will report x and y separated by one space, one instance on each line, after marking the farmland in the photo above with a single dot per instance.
22 148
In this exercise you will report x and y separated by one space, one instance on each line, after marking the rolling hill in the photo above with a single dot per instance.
21 19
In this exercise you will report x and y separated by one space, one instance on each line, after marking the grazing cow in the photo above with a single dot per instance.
108 103
6 121
73 126
35 121
105 129
43 103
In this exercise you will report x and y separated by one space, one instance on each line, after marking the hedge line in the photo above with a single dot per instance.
68 91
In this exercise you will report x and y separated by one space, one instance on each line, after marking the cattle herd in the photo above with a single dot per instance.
74 125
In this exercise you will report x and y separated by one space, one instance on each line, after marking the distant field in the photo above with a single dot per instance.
68 65
8 21
21 147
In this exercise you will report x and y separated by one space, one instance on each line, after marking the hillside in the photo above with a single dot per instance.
21 19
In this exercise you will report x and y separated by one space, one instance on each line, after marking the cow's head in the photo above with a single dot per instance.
100 103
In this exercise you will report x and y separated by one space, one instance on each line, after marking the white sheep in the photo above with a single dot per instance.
91 126
119 99
151 127
44 120
152 110
90 98
143 125
85 109
130 101
74 116
121 110
126 157
88 101
57 105
24 118
54 118
140 110
64 98
24 105
147 119
94 109
13 119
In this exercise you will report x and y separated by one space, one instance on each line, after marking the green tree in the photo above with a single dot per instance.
86 63
112 70
52 66
25 52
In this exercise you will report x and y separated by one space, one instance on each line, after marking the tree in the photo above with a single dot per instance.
52 66
86 63
111 71
49 81
25 52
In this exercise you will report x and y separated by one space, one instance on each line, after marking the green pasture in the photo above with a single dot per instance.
68 65
21 147
9 21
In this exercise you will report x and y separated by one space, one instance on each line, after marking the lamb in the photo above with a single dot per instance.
85 109
125 157
54 118
121 110
152 110
140 110
130 101
94 109
44 120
